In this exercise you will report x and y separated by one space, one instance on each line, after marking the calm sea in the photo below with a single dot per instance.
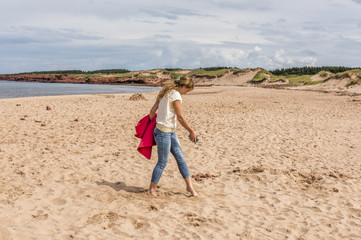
10 89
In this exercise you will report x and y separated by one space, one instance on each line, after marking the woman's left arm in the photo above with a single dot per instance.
153 110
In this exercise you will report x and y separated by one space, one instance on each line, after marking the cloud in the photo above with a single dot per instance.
31 35
173 13
245 5
155 52
217 56
92 34
282 58
309 53
313 26
257 49
281 21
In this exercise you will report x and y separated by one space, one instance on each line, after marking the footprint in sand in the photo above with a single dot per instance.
59 201
194 219
40 215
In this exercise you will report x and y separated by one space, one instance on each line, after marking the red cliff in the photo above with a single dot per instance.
81 79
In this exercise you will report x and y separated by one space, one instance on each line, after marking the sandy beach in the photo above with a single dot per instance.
286 164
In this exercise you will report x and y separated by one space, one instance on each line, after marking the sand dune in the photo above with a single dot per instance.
230 78
287 165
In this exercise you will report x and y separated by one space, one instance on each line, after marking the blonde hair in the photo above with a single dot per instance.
169 86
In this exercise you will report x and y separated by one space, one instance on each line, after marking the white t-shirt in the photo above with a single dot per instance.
166 116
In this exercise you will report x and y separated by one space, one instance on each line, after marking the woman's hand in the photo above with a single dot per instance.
193 136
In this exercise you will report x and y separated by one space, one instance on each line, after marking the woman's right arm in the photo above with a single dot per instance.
153 110
178 111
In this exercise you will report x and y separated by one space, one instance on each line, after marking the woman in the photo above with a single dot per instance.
169 106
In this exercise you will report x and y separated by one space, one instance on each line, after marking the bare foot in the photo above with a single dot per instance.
152 190
192 191
151 193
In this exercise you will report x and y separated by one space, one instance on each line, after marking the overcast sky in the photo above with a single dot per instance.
142 34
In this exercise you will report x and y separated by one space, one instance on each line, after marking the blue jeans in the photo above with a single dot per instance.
168 142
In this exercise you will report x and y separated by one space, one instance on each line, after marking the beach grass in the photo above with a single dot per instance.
353 82
199 72
89 75
263 75
124 75
314 82
320 73
175 75
296 79
147 76
353 71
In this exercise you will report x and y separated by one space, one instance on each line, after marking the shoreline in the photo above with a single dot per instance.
10 89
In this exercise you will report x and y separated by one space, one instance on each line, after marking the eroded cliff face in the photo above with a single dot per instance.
80 79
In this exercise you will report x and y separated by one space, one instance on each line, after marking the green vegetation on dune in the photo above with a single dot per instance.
306 79
309 70
147 76
264 75
353 82
356 71
176 75
86 75
323 72
200 72
212 71
260 76
314 82
237 70
121 75
353 71
174 72
124 75
296 79
292 79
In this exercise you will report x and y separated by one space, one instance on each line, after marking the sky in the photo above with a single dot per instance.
45 35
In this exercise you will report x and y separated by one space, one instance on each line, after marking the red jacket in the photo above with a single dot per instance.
144 130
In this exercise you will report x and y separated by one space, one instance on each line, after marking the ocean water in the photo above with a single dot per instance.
11 89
